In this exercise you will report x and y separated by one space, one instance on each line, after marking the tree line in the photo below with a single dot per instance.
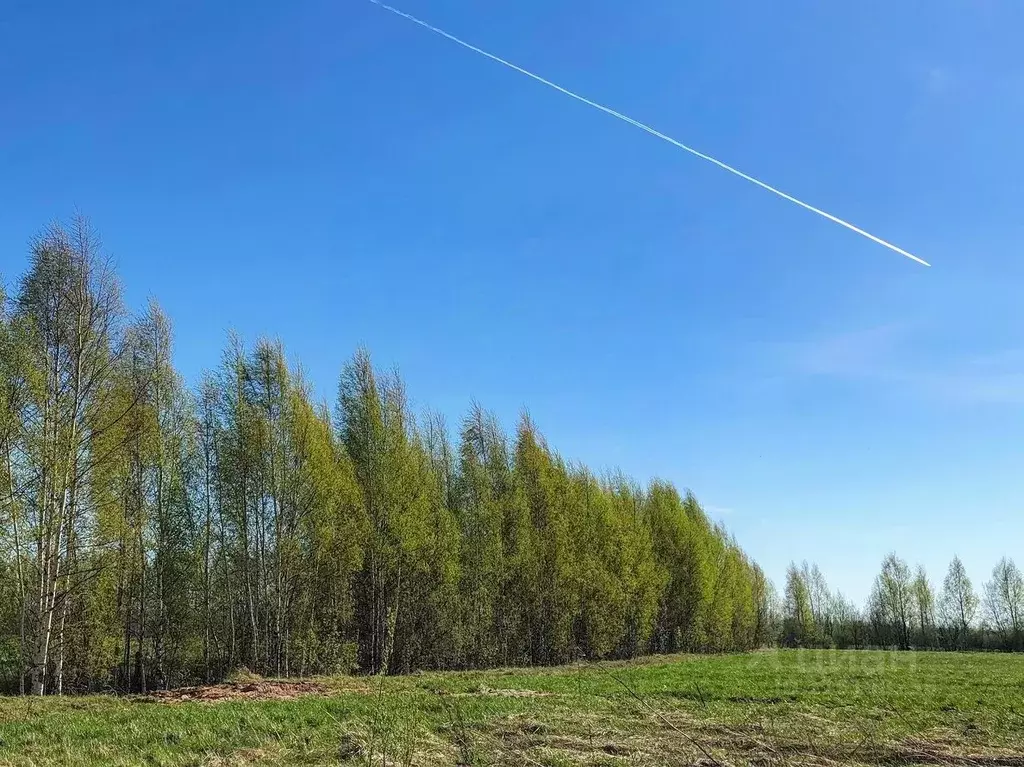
905 611
154 534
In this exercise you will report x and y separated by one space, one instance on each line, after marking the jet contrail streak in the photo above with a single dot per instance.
653 132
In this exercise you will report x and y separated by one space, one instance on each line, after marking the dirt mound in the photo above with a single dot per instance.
258 690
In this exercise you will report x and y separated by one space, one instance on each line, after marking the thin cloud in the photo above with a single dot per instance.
889 355
862 352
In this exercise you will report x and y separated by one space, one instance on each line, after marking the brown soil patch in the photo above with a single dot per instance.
218 693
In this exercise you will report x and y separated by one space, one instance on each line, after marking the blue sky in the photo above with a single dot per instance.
332 175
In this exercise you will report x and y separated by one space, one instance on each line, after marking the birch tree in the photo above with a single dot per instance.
893 602
799 625
924 608
69 305
958 604
1004 603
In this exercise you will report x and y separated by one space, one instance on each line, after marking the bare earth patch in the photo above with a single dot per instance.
254 691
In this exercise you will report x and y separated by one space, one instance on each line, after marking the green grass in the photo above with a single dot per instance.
766 708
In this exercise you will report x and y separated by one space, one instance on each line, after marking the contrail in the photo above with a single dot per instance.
653 132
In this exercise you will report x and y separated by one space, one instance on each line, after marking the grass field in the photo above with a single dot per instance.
765 708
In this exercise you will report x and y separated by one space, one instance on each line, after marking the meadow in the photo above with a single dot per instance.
763 708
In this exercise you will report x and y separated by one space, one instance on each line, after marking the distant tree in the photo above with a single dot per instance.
958 604
892 601
820 601
924 608
849 624
1004 603
766 627
798 623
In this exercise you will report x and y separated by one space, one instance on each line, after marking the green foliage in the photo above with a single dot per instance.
186 533
799 626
